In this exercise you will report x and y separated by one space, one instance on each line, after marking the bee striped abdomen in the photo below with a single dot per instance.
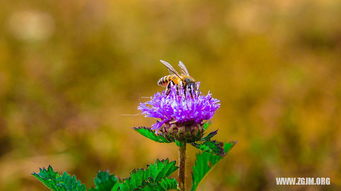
164 81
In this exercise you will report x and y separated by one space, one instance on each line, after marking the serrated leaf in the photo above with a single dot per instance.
147 132
57 182
104 181
213 147
209 136
204 163
153 175
164 185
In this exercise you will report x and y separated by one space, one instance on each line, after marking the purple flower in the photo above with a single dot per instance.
179 106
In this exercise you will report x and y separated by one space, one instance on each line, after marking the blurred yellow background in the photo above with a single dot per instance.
72 74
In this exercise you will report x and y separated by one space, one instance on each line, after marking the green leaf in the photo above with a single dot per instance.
168 184
164 185
206 125
213 147
178 143
57 182
209 136
147 132
104 181
204 163
153 175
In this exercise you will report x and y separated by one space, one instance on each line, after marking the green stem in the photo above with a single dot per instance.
182 159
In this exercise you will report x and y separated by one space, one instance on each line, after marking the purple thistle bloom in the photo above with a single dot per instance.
180 107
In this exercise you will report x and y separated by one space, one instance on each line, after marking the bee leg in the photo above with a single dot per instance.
169 86
188 88
185 89
168 89
191 89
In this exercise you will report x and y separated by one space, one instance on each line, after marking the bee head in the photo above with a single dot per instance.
190 84
188 81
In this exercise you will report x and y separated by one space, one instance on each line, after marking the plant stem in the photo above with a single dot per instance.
182 159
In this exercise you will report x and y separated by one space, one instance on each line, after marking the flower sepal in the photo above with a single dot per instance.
182 132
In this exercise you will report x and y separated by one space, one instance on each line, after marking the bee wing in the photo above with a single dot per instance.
183 68
170 68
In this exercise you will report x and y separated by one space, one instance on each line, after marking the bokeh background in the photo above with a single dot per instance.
72 74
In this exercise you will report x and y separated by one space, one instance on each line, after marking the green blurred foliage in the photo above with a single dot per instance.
73 72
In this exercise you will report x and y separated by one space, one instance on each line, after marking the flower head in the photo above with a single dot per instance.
180 107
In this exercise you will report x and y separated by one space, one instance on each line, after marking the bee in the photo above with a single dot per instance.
182 79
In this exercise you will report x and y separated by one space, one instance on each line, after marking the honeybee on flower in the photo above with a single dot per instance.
182 79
